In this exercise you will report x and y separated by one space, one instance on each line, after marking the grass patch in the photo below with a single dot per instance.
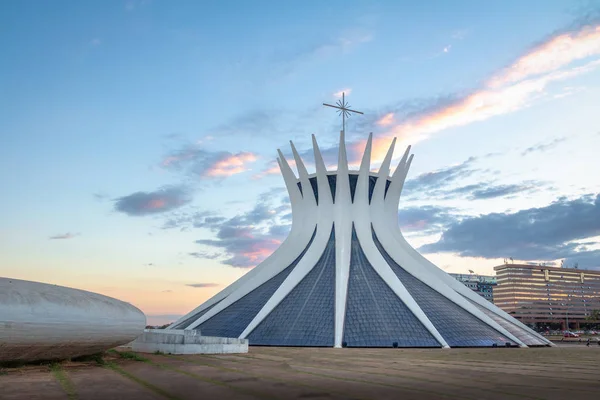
129 355
62 378
140 381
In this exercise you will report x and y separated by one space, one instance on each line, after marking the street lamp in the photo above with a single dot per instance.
568 302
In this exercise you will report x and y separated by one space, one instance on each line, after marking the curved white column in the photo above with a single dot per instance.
392 198
343 240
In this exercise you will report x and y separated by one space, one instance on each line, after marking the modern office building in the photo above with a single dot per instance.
548 295
483 285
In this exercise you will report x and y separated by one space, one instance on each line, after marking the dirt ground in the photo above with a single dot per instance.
567 372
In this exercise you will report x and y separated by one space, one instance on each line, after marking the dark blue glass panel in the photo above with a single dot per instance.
332 181
375 316
315 188
372 181
232 321
456 325
387 186
184 324
353 180
305 317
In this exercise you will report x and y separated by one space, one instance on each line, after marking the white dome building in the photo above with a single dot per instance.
39 321
346 277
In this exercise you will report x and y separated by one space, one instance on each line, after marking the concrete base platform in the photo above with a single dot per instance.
174 341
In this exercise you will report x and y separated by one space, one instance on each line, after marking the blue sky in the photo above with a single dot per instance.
139 137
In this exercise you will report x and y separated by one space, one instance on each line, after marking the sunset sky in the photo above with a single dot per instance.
138 138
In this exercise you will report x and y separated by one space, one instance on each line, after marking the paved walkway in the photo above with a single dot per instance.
569 372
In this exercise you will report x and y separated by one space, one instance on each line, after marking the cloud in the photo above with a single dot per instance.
518 86
198 219
280 230
339 93
67 235
203 285
480 191
208 164
442 184
271 169
159 201
246 247
543 146
442 177
557 52
427 219
231 164
345 42
547 233
245 239
386 120
493 191
204 255
101 196
178 158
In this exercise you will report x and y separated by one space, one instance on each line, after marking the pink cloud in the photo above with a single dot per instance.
258 252
514 88
555 53
273 169
386 120
155 204
231 165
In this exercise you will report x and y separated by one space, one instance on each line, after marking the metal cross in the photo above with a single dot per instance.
343 110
